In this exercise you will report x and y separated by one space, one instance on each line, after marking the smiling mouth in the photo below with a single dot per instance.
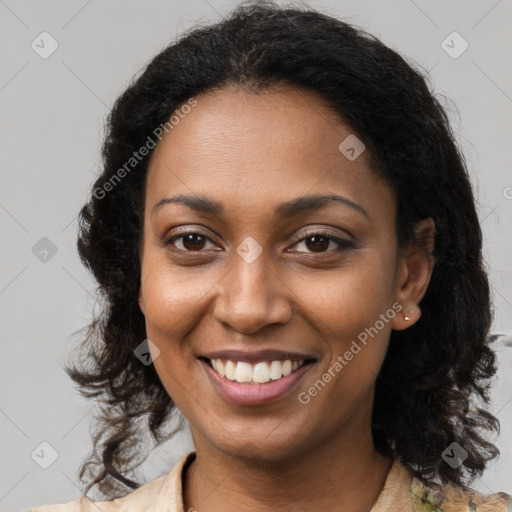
259 373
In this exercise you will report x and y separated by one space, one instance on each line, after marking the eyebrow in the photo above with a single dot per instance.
305 204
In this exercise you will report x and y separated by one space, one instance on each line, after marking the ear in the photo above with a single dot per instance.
414 270
141 301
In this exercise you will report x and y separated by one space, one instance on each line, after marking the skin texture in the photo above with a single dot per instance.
251 152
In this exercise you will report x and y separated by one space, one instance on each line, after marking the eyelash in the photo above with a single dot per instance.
342 243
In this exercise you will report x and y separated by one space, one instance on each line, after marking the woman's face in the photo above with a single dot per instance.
269 269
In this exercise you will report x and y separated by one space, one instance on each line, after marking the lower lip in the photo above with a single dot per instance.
254 394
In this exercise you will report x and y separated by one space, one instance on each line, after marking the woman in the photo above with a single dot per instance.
286 240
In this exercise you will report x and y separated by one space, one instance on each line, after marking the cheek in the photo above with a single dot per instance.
352 310
173 296
172 308
356 340
341 304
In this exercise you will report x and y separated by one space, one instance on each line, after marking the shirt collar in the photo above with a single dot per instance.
395 489
170 498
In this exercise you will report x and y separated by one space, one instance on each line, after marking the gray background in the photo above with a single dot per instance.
51 126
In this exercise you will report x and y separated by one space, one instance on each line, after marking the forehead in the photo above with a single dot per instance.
266 148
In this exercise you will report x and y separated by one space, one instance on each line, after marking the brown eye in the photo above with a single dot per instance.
189 242
193 242
319 242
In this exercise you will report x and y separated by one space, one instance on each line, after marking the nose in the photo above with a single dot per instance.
252 296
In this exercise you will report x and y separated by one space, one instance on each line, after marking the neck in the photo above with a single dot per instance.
341 474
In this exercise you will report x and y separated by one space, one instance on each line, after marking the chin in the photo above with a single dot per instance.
260 448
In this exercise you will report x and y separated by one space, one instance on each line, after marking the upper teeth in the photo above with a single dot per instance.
258 373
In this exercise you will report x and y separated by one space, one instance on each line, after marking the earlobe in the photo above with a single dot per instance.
413 274
406 317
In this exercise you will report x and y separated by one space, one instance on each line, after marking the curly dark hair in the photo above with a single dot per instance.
433 387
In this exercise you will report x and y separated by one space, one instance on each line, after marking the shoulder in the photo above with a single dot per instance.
136 500
162 493
403 492
451 498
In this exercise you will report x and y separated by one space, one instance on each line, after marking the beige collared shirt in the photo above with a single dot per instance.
401 493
